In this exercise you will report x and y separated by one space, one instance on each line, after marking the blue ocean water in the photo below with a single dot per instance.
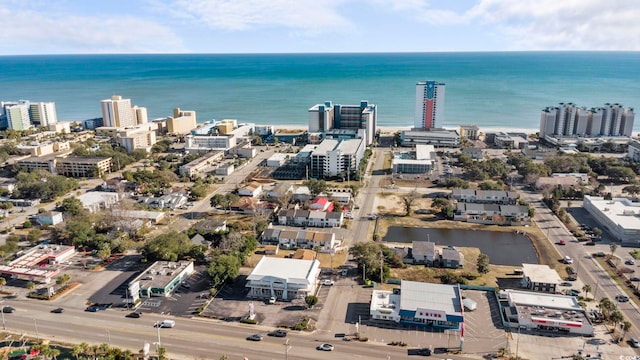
505 90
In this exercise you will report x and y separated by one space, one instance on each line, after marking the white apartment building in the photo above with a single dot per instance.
570 120
117 112
43 113
335 157
208 143
326 117
429 111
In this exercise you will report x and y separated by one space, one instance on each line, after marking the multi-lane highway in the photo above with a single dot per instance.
589 271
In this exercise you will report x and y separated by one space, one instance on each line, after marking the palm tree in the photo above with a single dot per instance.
616 317
613 247
54 353
626 326
127 355
76 351
31 285
587 289
3 282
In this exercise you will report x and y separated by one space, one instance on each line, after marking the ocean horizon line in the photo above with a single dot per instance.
446 52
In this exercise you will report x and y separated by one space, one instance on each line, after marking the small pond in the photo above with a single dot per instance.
503 248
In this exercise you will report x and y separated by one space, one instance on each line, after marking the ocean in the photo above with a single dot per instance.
491 90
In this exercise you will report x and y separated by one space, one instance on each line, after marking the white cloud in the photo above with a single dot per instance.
57 33
540 24
563 25
308 16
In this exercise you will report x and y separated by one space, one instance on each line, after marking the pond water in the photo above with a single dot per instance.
503 248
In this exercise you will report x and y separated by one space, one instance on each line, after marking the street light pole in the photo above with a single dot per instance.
286 349
4 326
35 324
158 329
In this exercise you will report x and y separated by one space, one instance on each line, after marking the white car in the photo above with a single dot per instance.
272 300
325 347
327 282
166 324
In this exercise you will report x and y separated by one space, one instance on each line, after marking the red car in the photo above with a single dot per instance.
562 242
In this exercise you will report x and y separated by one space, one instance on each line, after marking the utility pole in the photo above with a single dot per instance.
381 267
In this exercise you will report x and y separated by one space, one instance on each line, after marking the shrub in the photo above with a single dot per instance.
249 321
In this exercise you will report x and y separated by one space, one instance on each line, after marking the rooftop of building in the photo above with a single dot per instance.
541 274
621 211
293 270
384 300
39 254
544 300
161 273
418 295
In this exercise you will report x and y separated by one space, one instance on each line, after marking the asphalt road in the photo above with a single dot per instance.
190 338
589 271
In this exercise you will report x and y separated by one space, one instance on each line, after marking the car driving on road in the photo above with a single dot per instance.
325 347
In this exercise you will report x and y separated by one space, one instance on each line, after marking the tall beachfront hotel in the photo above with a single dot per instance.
429 104
118 112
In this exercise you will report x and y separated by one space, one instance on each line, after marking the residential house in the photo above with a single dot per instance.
451 258
199 240
424 252
295 239
302 194
280 190
52 218
321 204
253 189
540 278
211 226
484 196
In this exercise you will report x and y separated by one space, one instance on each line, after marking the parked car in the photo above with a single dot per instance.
325 347
630 262
327 282
272 300
57 310
566 283
8 309
278 333
255 337
634 342
574 292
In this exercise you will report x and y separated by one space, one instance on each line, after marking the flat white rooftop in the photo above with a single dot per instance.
415 295
621 211
543 300
293 270
541 274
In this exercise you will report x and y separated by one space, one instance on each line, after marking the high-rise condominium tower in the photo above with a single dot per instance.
429 104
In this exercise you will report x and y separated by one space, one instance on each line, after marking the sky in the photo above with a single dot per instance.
305 26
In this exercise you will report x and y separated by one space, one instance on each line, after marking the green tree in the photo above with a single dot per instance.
72 205
316 187
170 246
27 224
626 326
311 300
63 279
587 289
31 285
34 235
483 263
224 268
3 282
616 317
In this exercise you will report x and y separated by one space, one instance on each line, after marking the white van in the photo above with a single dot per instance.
167 324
